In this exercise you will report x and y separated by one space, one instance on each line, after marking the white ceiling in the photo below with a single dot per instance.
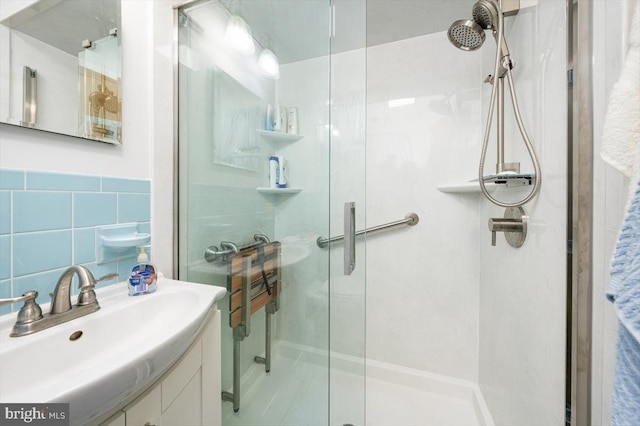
293 29
300 29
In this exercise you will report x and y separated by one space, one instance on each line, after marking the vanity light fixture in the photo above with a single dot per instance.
238 35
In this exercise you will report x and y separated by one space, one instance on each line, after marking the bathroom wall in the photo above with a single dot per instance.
48 221
523 291
72 162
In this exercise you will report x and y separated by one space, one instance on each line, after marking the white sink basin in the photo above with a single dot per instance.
125 346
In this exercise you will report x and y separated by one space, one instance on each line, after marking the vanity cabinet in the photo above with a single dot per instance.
188 394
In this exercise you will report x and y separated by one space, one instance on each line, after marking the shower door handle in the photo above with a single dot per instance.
349 237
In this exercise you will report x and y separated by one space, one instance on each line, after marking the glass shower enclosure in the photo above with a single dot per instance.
374 116
256 84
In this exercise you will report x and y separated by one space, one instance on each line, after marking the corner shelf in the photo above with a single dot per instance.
264 190
279 136
464 188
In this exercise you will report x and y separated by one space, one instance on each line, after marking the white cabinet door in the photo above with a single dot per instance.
186 408
146 410
189 395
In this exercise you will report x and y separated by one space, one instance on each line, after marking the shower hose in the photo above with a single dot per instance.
523 131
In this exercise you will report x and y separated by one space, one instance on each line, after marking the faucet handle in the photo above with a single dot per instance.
513 224
30 311
87 295
108 277
25 297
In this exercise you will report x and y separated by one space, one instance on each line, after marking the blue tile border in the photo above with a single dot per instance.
62 182
126 185
11 179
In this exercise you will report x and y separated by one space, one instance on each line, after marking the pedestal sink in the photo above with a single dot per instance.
98 361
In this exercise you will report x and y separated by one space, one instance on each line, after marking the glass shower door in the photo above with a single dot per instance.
237 111
348 190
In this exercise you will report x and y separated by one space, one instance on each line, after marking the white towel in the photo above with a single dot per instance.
621 133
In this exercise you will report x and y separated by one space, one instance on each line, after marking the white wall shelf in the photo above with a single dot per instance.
290 191
279 136
465 188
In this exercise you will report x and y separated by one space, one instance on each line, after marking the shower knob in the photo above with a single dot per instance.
513 224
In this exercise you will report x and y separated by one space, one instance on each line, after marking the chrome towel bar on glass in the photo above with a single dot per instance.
410 219
213 253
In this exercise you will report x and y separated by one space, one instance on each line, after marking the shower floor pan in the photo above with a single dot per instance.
295 394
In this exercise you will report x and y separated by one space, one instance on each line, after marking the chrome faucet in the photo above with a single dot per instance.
61 298
30 318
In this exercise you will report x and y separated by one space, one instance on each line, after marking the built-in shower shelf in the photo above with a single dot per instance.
289 191
491 182
464 188
279 136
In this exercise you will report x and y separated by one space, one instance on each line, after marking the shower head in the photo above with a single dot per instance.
485 14
466 35
469 34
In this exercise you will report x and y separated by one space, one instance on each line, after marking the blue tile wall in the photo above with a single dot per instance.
5 292
90 209
5 212
48 222
41 211
5 257
11 179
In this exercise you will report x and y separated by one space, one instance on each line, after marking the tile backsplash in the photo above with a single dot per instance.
48 222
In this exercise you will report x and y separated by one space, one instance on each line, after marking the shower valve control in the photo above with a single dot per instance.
513 224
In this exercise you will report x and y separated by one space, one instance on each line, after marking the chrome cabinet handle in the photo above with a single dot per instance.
349 237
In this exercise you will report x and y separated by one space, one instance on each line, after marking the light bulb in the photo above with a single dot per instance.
269 65
238 35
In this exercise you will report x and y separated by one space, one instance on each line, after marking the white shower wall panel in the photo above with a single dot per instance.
422 281
523 291
422 289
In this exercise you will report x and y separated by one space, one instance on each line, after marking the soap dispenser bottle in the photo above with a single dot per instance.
143 275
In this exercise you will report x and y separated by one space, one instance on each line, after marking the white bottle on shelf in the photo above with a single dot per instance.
292 121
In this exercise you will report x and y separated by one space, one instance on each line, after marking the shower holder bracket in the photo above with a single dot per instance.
508 167
510 7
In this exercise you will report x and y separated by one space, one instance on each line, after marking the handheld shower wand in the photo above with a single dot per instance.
469 35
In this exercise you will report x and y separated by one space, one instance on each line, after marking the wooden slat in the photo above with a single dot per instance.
256 304
269 252
236 279
237 298
236 276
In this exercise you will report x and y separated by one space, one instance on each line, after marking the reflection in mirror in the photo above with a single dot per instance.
61 67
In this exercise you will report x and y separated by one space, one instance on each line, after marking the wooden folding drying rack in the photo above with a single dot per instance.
254 282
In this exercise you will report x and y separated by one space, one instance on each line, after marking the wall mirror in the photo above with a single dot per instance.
60 67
